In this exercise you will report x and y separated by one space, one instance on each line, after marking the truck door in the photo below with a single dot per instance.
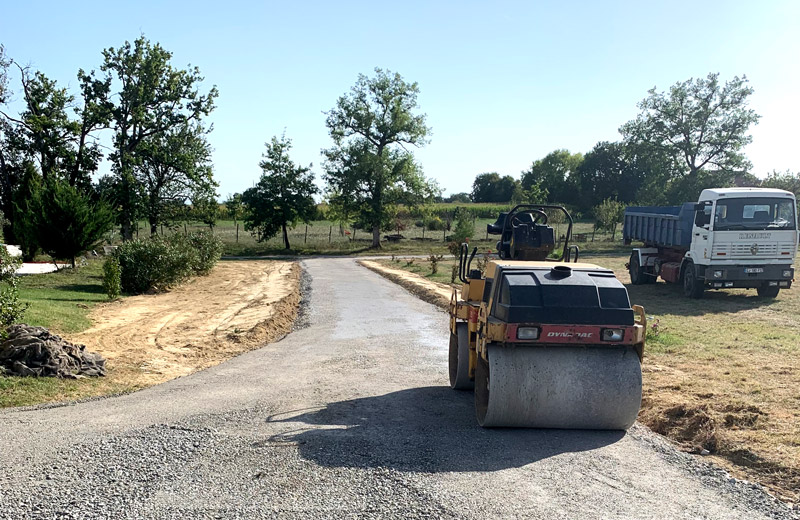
701 233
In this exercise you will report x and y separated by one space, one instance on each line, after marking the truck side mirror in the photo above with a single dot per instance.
702 217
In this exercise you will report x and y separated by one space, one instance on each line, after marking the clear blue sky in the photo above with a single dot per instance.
502 83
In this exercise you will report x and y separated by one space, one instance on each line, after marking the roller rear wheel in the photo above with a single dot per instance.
459 358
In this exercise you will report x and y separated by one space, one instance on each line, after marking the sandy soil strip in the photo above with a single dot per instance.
149 339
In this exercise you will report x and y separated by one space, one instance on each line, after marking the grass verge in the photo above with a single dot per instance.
720 373
60 301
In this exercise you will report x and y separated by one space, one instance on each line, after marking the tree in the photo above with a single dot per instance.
68 221
25 204
153 99
235 210
490 187
536 194
5 62
783 181
283 195
556 173
608 214
458 197
465 226
370 168
699 123
174 168
204 208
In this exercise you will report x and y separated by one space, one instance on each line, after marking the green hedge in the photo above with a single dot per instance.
159 262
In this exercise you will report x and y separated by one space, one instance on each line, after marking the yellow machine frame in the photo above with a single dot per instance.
466 305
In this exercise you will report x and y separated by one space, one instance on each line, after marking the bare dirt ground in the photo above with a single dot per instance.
735 402
149 339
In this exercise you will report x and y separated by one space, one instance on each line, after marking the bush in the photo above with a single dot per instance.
434 224
434 260
11 309
208 248
159 263
464 229
112 278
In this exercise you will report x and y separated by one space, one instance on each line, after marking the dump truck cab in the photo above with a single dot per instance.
561 339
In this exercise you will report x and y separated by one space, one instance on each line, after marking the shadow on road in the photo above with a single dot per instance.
430 429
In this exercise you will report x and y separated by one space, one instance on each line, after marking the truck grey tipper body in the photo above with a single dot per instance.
732 237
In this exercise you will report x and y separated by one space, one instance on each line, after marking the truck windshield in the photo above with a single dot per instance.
754 213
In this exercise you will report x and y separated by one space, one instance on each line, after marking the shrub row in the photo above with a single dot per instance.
160 262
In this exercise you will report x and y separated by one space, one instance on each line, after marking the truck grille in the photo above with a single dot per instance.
761 249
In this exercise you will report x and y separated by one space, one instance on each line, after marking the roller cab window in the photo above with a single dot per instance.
754 214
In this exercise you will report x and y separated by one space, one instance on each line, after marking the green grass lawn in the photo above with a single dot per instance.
60 301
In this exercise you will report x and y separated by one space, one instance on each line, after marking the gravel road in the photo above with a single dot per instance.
347 417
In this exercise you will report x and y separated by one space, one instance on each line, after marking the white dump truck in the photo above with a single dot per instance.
731 237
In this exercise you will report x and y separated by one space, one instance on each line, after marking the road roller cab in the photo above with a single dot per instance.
547 344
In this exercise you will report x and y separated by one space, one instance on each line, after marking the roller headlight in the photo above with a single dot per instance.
717 274
528 333
787 273
612 334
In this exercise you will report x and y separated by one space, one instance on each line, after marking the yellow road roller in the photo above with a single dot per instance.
545 342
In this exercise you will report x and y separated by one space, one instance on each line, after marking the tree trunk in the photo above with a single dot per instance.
286 236
127 229
153 227
237 232
376 237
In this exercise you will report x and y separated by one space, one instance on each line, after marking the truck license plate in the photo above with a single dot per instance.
751 270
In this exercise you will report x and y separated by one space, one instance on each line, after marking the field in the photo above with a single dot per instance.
720 374
325 237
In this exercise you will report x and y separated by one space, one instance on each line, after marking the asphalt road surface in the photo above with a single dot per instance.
347 417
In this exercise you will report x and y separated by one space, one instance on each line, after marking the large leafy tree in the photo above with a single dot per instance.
62 145
370 168
153 99
175 167
610 171
556 173
283 195
700 123
491 187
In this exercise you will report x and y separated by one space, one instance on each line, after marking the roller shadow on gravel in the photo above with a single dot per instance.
429 429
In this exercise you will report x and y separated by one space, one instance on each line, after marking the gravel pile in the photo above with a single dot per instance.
36 352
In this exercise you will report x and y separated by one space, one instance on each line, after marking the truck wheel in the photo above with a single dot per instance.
692 286
768 292
637 273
